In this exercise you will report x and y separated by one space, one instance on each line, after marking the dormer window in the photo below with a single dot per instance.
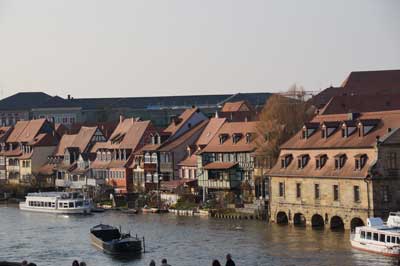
359 161
309 129
248 138
236 137
285 160
366 126
223 138
147 157
320 160
302 161
328 128
340 160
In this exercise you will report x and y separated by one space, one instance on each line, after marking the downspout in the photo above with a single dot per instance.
367 180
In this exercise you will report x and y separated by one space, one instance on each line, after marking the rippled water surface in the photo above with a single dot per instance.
48 239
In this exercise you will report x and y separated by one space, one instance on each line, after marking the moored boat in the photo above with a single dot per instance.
378 237
56 202
112 241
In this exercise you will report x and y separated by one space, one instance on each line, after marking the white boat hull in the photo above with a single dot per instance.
83 210
392 251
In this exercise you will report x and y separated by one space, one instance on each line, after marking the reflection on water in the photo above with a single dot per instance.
57 240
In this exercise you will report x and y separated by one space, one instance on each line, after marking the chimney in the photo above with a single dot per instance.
69 96
189 151
121 118
216 114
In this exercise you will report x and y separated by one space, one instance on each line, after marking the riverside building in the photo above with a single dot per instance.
338 171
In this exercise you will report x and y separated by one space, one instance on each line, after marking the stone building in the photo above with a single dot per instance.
338 171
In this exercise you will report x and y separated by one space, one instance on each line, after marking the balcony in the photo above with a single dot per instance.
219 184
63 183
13 168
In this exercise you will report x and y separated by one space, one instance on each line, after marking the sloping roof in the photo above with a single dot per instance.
214 124
230 128
24 100
65 142
175 125
361 104
25 131
189 161
127 135
32 100
219 165
44 139
385 120
372 82
4 133
240 106
170 145
83 138
174 184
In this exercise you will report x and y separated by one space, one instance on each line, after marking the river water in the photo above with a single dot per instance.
48 239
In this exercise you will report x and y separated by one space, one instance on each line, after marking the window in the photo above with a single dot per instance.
248 138
360 161
369 235
356 193
302 161
385 193
382 238
281 189
340 160
362 235
391 160
323 133
335 192
298 190
222 138
375 236
236 137
316 192
320 161
344 132
285 160
71 204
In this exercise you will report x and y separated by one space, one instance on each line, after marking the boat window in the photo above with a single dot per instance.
41 204
375 236
65 205
398 240
60 205
369 234
363 234
71 204
382 238
53 205
388 239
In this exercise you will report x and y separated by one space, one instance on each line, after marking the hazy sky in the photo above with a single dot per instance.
94 48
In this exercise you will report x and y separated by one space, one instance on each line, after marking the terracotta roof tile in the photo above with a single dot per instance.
189 161
170 145
214 124
177 124
65 142
386 120
240 106
219 165
230 128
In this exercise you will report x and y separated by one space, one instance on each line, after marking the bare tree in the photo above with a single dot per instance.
282 117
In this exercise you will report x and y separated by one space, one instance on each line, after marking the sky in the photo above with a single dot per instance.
97 48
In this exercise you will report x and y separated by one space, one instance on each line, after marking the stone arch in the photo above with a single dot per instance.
299 219
282 218
317 220
355 222
337 223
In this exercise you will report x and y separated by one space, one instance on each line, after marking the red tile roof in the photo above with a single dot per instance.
386 120
65 142
219 166
170 145
174 184
230 128
177 124
189 161
240 106
211 129
25 131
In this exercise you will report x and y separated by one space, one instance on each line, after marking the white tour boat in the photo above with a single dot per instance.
378 237
56 202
